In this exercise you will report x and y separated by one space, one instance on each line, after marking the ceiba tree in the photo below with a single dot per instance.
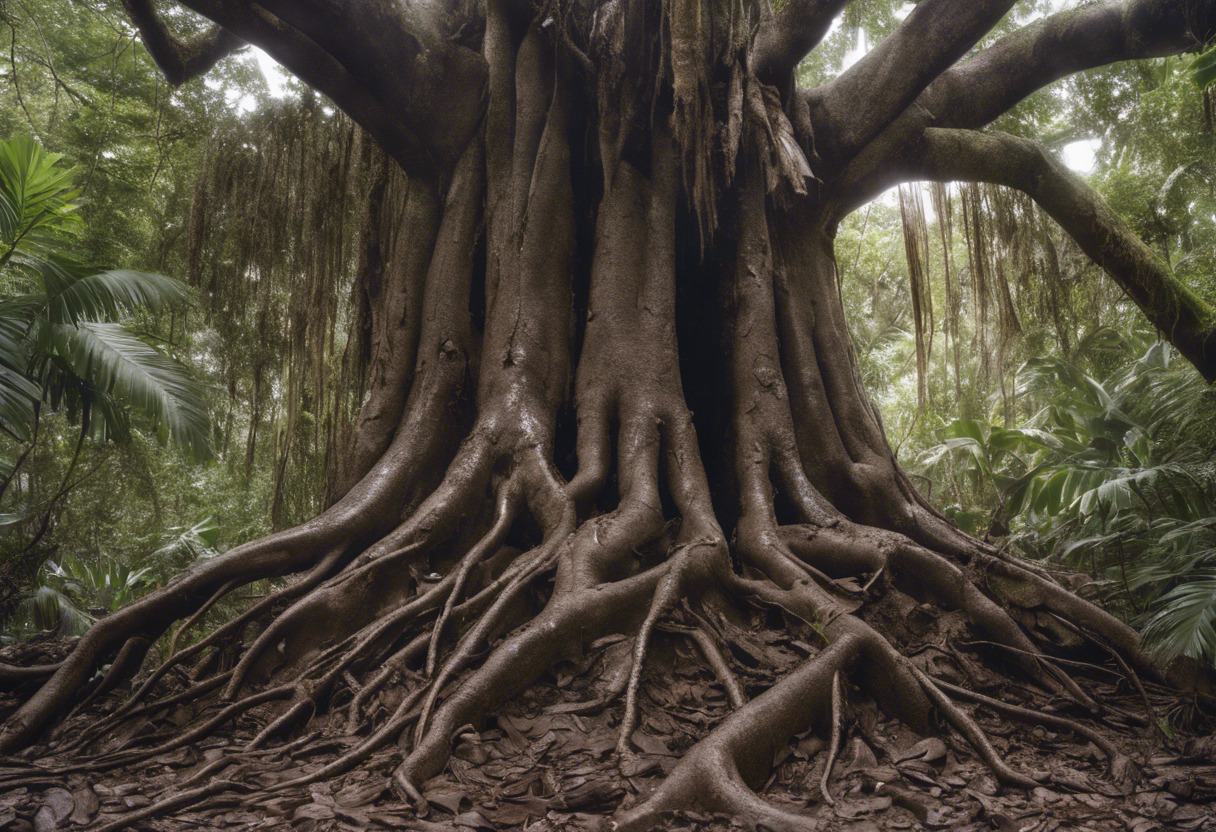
629 209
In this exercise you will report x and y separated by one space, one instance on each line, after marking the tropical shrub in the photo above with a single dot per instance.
62 335
67 349
1111 477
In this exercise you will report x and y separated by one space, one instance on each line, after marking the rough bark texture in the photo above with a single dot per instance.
617 210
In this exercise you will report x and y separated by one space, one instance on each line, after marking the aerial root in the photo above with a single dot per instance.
404 714
1050 596
617 680
1129 672
282 722
715 774
280 628
508 500
126 664
719 773
491 621
669 592
845 549
396 663
177 801
195 734
572 618
713 654
130 708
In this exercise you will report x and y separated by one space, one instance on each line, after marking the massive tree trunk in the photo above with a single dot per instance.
628 208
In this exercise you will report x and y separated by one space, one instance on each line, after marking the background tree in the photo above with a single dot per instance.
597 183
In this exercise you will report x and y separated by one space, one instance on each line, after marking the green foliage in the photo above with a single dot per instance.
1185 623
59 340
184 546
73 593
1108 476
1203 69
104 586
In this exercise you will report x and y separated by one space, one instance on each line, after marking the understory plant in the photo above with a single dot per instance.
1111 477
67 347
73 591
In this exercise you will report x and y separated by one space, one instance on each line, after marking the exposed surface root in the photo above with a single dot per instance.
834 747
535 603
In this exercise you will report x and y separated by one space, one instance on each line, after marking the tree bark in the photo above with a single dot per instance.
644 206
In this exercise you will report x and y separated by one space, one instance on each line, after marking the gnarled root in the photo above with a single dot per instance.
424 603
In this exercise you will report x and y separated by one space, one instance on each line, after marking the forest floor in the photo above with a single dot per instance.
543 764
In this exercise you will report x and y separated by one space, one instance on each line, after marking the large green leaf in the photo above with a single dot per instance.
113 361
1203 69
1185 623
110 294
35 194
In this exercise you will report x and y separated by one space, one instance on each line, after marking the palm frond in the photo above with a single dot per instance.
35 194
116 363
18 399
108 295
47 609
1185 623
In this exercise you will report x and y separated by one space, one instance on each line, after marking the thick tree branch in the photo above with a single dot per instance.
391 66
1174 309
995 79
179 60
891 75
790 34
978 90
